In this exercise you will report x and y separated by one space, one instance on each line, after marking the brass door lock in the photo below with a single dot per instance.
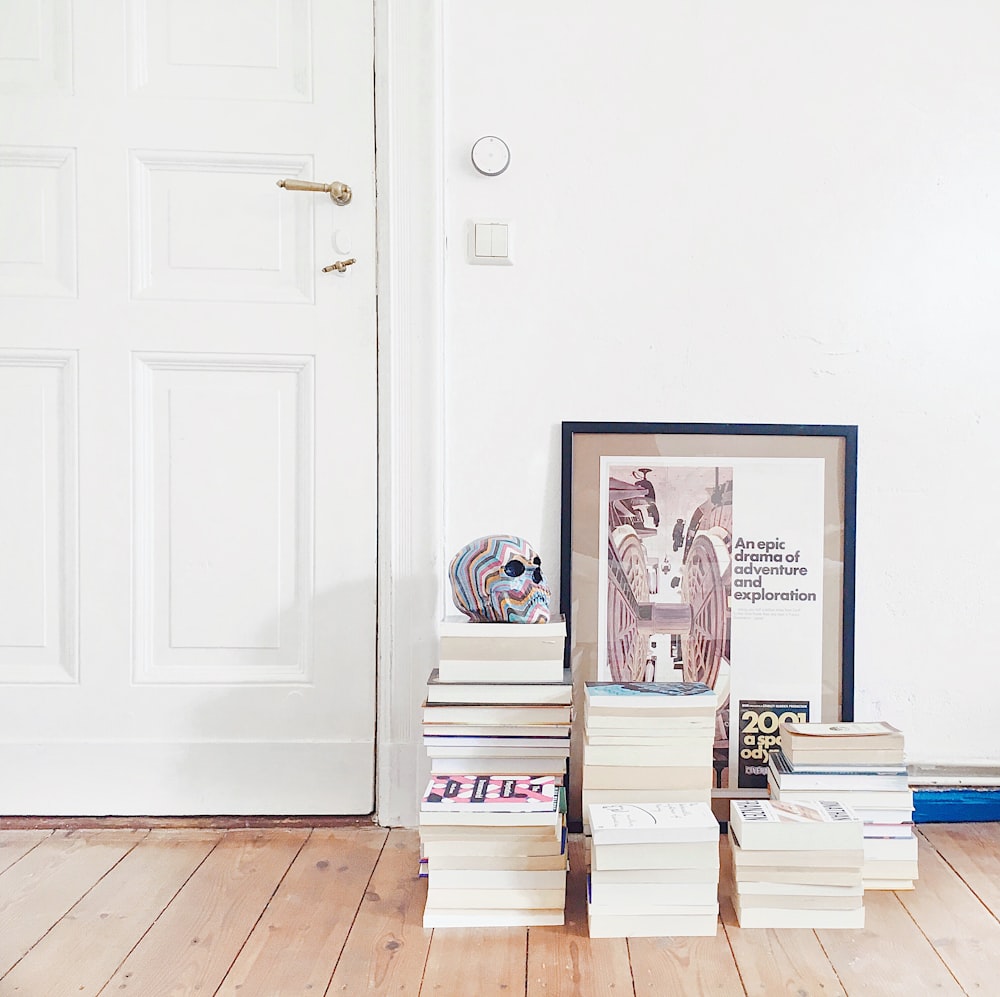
340 266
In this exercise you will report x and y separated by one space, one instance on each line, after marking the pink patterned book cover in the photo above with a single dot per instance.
518 793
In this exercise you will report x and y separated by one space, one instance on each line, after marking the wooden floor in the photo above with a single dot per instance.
300 911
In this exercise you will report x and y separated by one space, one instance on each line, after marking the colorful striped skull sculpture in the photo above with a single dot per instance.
498 579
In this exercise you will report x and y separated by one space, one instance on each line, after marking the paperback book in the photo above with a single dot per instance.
659 698
497 714
787 776
809 741
504 693
489 793
775 825
638 823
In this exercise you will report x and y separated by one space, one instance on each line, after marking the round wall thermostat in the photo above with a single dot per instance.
490 156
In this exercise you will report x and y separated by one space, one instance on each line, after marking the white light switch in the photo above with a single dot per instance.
490 243
499 240
483 240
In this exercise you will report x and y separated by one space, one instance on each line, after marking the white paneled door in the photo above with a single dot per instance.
187 408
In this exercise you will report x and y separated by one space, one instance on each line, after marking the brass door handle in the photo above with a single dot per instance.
339 192
340 266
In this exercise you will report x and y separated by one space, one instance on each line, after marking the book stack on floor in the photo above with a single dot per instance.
647 742
499 701
796 865
862 766
493 849
654 870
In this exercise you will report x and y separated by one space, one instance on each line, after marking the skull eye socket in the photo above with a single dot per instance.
515 568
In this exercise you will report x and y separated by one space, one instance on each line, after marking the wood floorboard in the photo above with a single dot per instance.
14 845
83 949
40 888
890 955
192 945
491 963
337 910
296 944
973 851
789 962
564 961
963 932
387 948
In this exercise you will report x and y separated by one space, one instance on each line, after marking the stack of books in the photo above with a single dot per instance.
647 742
861 765
493 850
654 870
500 700
796 865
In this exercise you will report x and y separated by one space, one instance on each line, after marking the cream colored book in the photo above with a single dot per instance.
802 877
500 899
672 855
476 863
496 879
823 858
774 917
644 756
603 925
453 917
639 823
765 901
500 845
808 825
656 795
629 897
647 776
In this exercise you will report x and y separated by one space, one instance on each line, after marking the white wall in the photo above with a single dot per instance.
770 212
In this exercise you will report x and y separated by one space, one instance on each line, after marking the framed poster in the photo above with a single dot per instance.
716 553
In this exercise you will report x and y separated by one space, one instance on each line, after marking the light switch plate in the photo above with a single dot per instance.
491 242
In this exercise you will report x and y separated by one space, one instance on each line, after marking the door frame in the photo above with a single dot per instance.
410 238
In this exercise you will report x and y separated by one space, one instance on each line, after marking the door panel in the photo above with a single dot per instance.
187 409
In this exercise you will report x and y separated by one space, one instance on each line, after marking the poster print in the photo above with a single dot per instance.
713 553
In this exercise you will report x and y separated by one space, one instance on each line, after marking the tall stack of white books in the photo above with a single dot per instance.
796 865
654 870
860 764
499 701
647 742
493 849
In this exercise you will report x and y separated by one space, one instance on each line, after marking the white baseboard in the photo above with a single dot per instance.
966 776
408 770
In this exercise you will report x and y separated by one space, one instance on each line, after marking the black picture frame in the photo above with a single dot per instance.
813 470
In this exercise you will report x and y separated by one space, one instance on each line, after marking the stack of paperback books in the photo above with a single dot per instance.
647 742
654 870
493 849
796 865
499 701
860 765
